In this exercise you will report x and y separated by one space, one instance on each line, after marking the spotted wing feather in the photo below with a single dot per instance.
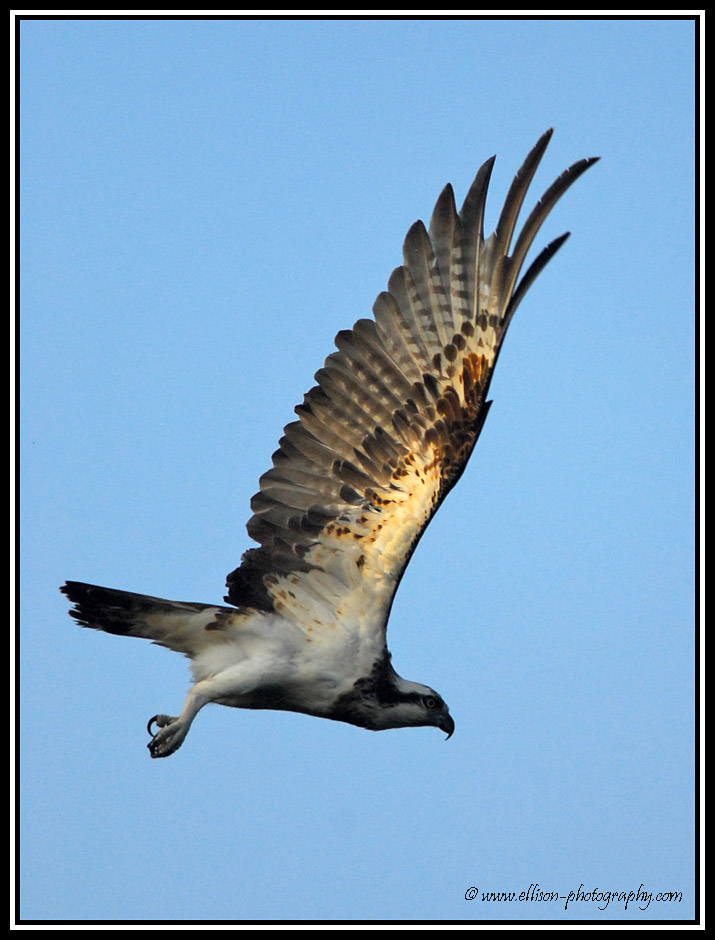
398 408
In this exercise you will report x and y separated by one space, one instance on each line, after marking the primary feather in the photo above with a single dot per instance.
378 444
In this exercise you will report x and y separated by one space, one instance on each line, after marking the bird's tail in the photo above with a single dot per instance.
178 625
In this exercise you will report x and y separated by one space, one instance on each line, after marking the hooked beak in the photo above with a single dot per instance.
446 724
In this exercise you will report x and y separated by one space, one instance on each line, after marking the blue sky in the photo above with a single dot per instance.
204 204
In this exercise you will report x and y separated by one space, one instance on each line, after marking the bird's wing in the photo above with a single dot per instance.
388 429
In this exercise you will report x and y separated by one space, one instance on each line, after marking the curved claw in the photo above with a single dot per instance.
168 737
161 722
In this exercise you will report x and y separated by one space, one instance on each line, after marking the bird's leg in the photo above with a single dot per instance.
239 679
172 731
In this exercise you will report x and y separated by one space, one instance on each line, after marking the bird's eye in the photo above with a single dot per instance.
429 701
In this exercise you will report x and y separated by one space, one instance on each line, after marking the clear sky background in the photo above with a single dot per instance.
204 204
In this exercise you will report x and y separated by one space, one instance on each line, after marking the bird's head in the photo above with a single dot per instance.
411 704
385 700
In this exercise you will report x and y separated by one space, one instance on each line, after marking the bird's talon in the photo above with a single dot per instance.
161 721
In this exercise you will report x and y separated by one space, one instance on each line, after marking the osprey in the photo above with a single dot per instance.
378 444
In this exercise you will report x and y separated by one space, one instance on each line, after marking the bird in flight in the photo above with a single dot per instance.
379 442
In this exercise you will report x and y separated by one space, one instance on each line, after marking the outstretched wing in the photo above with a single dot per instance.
397 410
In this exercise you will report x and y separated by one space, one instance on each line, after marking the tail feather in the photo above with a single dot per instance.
178 625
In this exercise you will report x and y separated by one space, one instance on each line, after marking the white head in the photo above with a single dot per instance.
385 700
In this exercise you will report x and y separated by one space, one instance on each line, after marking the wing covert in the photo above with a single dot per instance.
398 408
